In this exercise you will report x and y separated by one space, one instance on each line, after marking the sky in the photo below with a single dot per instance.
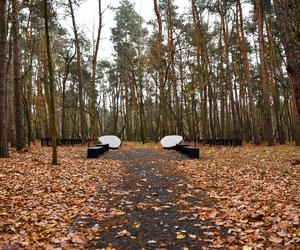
87 19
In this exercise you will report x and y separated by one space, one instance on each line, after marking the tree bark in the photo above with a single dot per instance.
162 98
288 19
172 75
295 121
265 83
29 76
19 112
201 67
3 83
274 84
246 68
228 81
95 127
51 88
79 74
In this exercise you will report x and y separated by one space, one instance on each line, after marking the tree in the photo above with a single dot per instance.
79 74
18 104
95 131
162 121
263 72
127 37
288 19
51 88
3 84
246 68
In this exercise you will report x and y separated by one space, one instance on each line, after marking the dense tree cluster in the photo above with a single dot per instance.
221 69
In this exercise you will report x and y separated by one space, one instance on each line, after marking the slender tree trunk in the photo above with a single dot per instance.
29 76
201 67
94 124
171 55
275 89
3 83
79 74
222 88
246 68
264 77
162 99
51 88
10 96
228 77
68 60
19 113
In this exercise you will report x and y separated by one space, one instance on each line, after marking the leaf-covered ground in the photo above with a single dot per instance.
257 193
38 202
144 197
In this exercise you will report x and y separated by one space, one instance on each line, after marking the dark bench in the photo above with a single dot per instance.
193 152
94 152
180 146
184 150
106 146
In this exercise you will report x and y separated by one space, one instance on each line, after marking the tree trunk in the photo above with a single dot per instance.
246 68
94 123
201 67
3 83
19 113
79 75
51 88
265 82
171 55
228 77
275 89
29 75
162 98
295 121
10 97
288 19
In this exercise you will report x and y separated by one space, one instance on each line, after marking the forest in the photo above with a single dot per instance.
206 73
215 70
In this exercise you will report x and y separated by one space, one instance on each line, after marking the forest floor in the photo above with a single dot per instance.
143 197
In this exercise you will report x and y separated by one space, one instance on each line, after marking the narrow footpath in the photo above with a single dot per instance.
153 208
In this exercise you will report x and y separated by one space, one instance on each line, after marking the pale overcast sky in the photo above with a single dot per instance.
87 17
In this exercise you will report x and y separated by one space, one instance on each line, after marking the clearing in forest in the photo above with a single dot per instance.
144 197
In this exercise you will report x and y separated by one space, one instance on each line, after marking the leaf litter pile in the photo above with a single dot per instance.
231 198
256 192
38 201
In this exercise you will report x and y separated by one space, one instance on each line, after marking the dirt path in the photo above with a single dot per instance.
152 208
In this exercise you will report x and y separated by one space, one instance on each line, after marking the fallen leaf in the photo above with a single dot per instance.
180 236
192 236
275 239
123 233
